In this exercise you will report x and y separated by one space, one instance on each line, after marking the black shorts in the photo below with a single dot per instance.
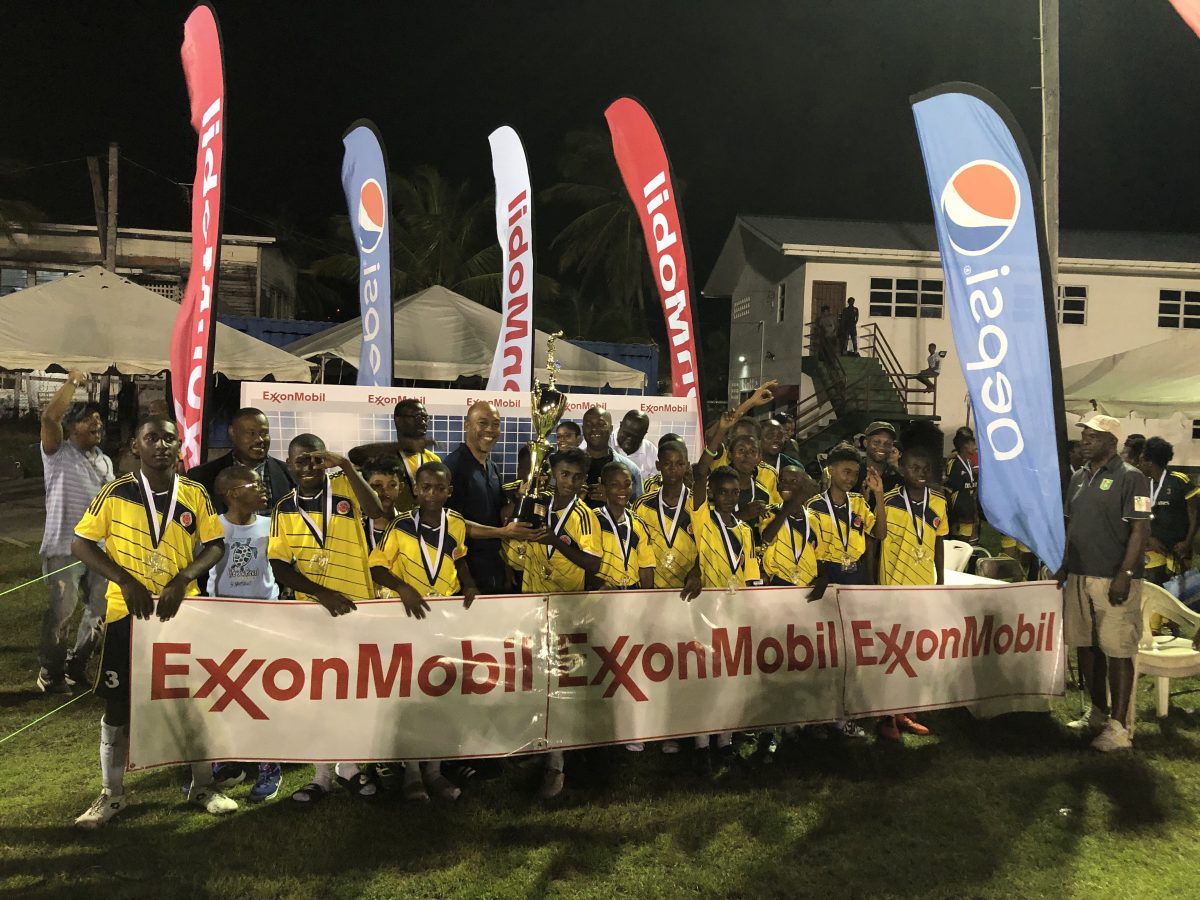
112 680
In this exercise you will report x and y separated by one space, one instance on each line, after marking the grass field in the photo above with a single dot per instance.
1014 807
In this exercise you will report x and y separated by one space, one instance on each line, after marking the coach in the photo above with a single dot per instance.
250 434
1108 520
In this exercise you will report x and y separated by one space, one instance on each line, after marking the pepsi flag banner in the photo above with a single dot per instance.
990 234
512 366
237 679
364 180
646 172
192 337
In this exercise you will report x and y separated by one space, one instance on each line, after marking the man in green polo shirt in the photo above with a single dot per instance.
1108 520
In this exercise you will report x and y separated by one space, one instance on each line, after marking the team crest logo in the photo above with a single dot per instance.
857 522
186 519
343 507
1105 484
937 522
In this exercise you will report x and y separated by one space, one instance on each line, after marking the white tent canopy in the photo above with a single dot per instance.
95 320
439 335
1154 382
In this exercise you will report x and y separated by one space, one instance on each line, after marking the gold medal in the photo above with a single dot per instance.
797 575
159 563
623 581
519 551
919 554
847 562
669 559
320 561
734 582
547 572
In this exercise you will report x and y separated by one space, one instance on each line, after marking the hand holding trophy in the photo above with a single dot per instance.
548 406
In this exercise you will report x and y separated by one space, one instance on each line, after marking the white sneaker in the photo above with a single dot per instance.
670 746
101 811
212 801
1114 737
636 747
1094 721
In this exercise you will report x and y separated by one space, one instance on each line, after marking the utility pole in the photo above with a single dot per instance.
93 164
1048 15
110 228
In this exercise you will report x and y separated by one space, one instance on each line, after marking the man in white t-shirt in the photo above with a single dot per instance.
630 439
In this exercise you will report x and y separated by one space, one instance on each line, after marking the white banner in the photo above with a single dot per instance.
249 680
512 366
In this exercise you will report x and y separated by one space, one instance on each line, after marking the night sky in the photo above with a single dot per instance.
792 108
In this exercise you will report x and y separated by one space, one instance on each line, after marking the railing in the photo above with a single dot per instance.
913 394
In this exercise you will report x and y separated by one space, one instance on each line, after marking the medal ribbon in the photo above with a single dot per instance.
317 533
434 567
410 472
158 528
735 559
557 527
845 539
918 522
669 533
1156 489
625 545
796 554
970 472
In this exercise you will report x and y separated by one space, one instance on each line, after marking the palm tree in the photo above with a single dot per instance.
604 242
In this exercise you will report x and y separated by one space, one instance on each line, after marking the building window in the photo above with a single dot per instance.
741 307
12 280
780 300
1179 309
1071 304
907 298
1196 429
45 276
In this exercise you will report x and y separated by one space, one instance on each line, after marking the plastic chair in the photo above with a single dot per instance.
1001 568
1162 656
956 555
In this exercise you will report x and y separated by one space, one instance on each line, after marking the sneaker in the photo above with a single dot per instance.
670 746
1114 737
887 730
1094 721
101 811
77 676
441 787
848 729
911 725
227 774
212 801
389 776
52 684
266 786
552 784
636 747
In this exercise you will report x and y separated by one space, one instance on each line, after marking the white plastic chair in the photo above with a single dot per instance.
956 555
1161 656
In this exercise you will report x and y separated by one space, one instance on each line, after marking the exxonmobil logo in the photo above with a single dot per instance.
517 276
670 271
244 681
631 667
897 648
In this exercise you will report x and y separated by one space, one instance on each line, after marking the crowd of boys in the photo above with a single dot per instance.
383 522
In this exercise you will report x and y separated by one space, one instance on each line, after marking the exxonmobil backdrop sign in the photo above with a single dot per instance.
235 680
192 337
512 366
364 181
646 172
991 237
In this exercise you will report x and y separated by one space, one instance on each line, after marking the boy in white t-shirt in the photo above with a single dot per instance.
244 572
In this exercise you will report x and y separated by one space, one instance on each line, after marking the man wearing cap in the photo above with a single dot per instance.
1108 520
75 468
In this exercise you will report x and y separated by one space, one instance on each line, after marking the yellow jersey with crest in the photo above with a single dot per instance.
854 521
717 569
400 552
792 555
675 555
548 571
907 554
616 568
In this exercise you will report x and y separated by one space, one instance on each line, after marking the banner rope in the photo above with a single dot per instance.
46 716
39 578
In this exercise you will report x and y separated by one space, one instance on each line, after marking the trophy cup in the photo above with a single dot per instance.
548 404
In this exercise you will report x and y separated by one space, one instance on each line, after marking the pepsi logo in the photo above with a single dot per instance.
371 215
343 507
980 203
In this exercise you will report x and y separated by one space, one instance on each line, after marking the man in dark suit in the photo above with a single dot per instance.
251 437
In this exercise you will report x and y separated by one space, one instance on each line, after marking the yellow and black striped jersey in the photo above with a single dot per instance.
547 571
119 517
790 556
715 543
401 553
615 568
409 463
907 554
830 533
676 557
344 568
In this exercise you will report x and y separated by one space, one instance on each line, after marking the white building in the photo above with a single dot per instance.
1117 291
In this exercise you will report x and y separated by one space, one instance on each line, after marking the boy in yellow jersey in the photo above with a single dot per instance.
667 514
790 538
383 475
424 554
843 518
626 554
151 522
318 549
911 553
654 482
559 559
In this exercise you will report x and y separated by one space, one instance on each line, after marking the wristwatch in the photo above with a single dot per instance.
1129 572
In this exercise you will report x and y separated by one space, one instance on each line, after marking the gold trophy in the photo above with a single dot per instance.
548 406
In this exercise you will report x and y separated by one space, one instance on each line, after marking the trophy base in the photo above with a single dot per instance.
534 510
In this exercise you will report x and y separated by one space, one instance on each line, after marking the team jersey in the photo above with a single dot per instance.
1169 497
962 495
717 568
548 571
792 555
854 522
421 567
907 554
651 484
621 566
766 476
342 564
409 463
669 528
119 516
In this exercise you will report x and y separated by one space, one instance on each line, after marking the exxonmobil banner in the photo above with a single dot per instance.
512 366
229 679
1190 11
364 180
646 172
192 338
990 231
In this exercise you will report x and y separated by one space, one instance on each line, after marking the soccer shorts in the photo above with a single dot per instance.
1089 618
112 679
